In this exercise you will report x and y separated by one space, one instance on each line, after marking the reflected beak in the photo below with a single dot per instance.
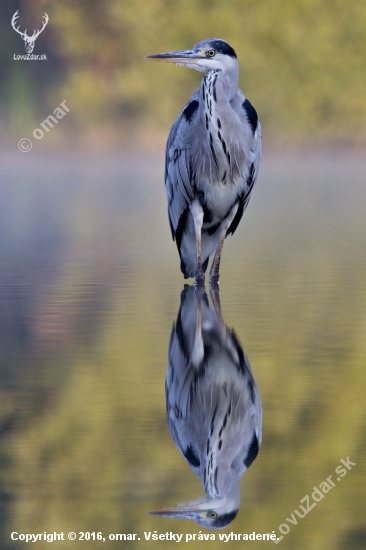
182 511
183 57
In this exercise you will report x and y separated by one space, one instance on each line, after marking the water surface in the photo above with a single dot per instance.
89 289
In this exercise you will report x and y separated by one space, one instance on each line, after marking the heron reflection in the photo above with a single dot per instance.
213 405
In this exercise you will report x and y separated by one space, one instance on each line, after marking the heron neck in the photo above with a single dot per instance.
219 86
232 78
229 487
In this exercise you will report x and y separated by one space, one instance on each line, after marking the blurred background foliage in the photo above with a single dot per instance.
302 66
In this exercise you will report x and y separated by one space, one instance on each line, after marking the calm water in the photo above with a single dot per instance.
89 289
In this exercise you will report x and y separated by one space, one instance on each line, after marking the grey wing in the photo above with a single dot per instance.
250 439
247 454
178 185
180 378
256 155
253 162
177 387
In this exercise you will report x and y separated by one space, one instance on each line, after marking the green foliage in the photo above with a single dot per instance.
302 63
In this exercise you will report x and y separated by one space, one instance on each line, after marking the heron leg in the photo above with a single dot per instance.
215 268
197 213
215 297
198 348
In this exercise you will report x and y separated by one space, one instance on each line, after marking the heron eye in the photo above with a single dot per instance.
211 53
212 514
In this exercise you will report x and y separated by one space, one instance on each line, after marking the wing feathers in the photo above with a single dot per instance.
177 181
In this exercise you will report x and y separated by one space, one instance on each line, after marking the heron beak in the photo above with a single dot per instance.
183 57
182 511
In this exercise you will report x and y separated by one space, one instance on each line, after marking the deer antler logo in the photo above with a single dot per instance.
29 40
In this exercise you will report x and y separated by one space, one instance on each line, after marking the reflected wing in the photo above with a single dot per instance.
178 384
178 182
177 397
179 379
248 436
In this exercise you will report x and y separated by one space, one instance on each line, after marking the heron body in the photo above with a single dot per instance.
212 158
214 409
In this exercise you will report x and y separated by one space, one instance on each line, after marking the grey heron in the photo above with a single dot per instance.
212 158
213 407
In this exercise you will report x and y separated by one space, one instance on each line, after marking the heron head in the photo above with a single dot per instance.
210 513
205 56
